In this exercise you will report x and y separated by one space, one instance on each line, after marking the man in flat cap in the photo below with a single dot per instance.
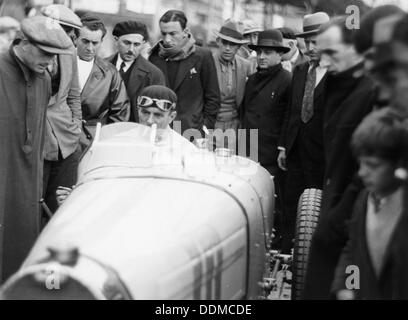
130 38
190 72
25 89
103 93
64 116
232 72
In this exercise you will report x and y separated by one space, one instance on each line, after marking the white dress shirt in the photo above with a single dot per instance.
127 64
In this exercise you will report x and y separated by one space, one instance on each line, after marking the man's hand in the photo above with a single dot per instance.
62 194
282 160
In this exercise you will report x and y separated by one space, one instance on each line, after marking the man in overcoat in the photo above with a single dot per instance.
266 97
25 89
349 98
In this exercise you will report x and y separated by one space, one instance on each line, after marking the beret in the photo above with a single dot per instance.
129 27
46 34
363 37
159 92
63 15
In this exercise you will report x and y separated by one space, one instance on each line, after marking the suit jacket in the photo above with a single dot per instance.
104 98
243 71
266 97
312 132
392 282
196 86
141 74
64 115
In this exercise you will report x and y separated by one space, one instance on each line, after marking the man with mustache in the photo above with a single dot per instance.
25 90
137 73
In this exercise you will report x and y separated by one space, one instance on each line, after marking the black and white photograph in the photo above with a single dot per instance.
231 152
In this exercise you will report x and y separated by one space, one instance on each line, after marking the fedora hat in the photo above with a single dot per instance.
231 32
312 23
270 39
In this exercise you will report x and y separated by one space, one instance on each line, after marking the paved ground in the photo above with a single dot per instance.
283 292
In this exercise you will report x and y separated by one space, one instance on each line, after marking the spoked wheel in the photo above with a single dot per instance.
306 222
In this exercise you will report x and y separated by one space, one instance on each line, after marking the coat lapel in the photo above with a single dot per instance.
65 74
186 68
95 76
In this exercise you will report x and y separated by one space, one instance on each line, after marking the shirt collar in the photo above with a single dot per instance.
295 56
379 203
120 60
224 64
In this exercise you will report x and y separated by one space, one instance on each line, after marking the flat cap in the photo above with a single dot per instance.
129 27
47 34
63 15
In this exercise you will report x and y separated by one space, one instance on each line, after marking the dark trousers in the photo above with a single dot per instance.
303 173
59 173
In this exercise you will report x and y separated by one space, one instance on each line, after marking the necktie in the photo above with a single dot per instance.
307 104
122 69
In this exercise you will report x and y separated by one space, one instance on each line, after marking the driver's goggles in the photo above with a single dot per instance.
162 104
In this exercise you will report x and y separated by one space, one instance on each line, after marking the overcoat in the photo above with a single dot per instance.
24 99
350 97
266 97
196 86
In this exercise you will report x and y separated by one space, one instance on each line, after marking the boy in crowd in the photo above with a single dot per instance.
373 264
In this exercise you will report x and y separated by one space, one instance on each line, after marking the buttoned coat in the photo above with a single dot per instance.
24 99
141 74
266 97
64 115
196 86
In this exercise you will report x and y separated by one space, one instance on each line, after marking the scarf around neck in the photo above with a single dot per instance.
179 52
